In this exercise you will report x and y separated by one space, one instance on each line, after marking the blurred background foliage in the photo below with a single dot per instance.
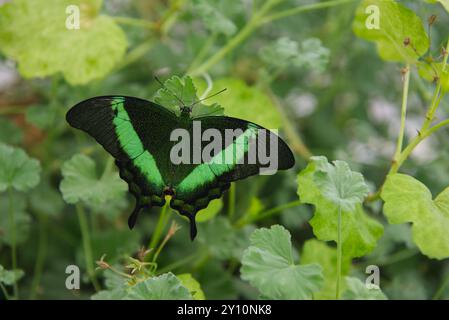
303 72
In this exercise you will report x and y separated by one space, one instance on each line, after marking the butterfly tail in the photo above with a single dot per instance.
133 217
193 230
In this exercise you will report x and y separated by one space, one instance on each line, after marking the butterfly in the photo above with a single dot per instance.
139 134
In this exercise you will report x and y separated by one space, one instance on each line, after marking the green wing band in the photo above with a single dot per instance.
131 144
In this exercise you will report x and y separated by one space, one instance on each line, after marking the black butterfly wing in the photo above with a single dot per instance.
135 132
243 145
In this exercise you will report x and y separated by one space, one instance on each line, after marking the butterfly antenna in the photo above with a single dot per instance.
212 95
172 93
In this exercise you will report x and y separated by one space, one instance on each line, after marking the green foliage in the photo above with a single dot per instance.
82 55
286 53
178 92
360 232
211 13
357 290
245 102
318 252
82 183
269 266
9 277
17 170
286 65
192 285
163 287
409 200
400 35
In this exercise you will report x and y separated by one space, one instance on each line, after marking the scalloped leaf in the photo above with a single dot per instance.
360 232
268 265
409 200
400 35
34 33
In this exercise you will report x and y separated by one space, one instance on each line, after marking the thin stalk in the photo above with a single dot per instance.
160 226
5 292
339 254
179 263
231 203
406 83
12 226
87 245
41 255
441 289
266 214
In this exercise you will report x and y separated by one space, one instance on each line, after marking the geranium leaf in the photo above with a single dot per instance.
17 170
315 251
164 287
268 265
357 290
92 50
82 183
9 277
359 232
397 31
192 285
409 200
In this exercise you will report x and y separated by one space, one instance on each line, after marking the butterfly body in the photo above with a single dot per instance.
139 134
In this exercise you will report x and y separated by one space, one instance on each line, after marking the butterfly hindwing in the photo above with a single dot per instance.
209 179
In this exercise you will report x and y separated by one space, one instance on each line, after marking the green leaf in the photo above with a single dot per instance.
21 217
181 91
357 290
163 287
360 233
9 277
315 251
409 200
268 265
34 33
10 132
192 285
223 241
213 17
340 185
46 200
17 170
285 53
211 211
400 35
81 183
244 102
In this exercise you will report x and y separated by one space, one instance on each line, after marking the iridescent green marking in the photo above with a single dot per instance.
207 172
131 144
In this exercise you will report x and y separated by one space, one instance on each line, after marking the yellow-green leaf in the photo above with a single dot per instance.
42 37
398 32
409 200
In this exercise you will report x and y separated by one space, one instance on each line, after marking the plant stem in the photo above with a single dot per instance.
12 226
441 289
203 52
231 203
406 82
41 254
87 245
5 292
160 226
179 263
339 254
266 214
